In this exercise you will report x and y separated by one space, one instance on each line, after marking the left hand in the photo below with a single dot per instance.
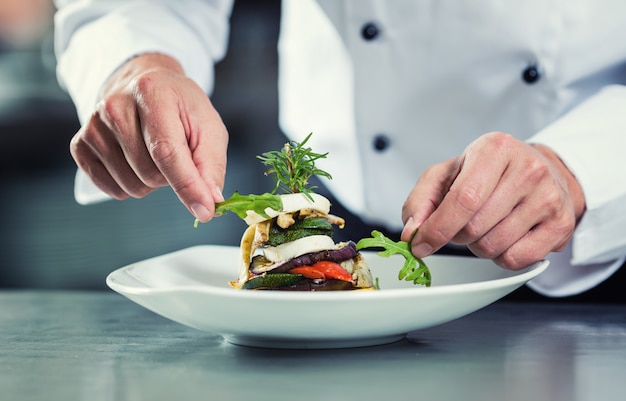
505 199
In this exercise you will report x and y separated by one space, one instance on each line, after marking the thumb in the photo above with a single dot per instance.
426 196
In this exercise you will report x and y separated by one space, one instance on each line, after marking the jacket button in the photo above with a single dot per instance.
531 74
370 31
381 142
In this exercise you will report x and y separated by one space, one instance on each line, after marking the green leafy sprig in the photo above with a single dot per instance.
293 166
241 204
414 269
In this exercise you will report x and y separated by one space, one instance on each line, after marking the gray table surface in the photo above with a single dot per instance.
65 345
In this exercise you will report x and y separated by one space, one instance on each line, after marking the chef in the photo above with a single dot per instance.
499 126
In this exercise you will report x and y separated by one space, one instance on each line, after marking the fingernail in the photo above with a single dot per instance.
417 222
413 223
422 250
200 212
218 195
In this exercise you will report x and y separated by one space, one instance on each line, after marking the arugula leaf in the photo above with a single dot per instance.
240 204
414 269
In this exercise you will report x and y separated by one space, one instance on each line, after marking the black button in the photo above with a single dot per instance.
531 74
370 31
381 142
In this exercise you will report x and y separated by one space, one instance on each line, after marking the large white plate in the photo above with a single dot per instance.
191 287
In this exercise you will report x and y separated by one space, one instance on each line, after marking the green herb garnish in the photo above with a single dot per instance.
240 204
293 166
414 269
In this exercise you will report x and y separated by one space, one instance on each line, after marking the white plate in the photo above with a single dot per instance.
191 287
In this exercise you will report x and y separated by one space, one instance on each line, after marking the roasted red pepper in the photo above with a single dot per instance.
324 270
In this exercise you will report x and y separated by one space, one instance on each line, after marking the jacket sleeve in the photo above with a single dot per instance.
591 141
93 38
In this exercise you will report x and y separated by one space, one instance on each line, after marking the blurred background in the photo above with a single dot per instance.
48 241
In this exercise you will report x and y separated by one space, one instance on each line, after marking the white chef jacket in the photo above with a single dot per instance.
390 87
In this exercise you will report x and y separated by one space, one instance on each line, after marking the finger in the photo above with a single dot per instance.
536 228
121 118
209 150
530 248
87 161
516 205
167 142
426 196
506 196
507 232
479 174
103 144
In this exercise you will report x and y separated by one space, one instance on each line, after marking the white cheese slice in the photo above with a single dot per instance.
290 250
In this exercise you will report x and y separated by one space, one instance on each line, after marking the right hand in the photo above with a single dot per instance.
507 200
155 127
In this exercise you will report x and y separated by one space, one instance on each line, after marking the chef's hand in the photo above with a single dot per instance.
155 127
506 200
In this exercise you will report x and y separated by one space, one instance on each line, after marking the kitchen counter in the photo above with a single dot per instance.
77 345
